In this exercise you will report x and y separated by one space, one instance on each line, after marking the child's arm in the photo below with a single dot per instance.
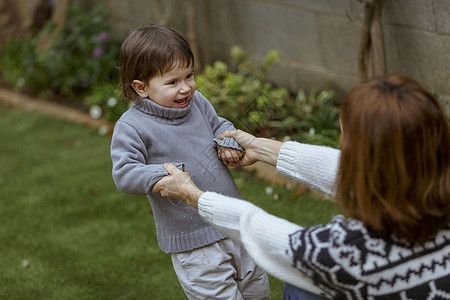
230 156
130 172
229 151
218 124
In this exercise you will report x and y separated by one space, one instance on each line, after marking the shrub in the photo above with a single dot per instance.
18 61
82 54
254 105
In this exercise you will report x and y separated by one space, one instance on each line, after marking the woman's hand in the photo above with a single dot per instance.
178 185
256 149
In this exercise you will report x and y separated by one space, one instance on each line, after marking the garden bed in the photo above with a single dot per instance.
22 101
25 102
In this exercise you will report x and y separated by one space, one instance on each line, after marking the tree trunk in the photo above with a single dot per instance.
376 32
58 18
10 19
192 36
163 15
371 57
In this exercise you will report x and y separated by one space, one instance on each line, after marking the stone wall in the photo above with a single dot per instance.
318 39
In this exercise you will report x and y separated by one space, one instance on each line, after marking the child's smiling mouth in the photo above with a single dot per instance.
182 102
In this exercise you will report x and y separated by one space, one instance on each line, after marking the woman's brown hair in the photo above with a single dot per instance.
148 51
394 171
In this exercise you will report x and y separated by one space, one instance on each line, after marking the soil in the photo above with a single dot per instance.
25 102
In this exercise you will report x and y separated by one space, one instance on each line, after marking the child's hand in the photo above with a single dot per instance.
230 156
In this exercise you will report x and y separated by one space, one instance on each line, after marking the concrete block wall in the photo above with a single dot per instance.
303 31
318 39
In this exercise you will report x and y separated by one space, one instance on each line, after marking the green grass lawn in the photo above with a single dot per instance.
68 233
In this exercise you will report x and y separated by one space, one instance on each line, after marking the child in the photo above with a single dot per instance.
170 121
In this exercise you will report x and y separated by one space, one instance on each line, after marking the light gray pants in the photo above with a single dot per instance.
222 270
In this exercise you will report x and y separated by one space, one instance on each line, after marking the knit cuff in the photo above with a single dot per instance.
312 165
229 143
160 172
286 162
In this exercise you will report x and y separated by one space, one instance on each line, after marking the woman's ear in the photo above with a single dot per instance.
140 88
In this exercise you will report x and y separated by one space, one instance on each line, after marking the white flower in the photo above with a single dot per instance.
269 190
276 197
103 130
20 82
95 111
112 102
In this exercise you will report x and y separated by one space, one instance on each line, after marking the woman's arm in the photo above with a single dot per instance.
256 149
264 236
314 166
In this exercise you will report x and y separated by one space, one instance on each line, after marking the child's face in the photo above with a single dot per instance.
172 89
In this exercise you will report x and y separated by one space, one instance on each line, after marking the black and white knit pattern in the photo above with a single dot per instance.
348 262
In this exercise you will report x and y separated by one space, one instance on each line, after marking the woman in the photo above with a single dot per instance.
392 178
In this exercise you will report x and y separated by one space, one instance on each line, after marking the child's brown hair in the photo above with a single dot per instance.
395 165
148 51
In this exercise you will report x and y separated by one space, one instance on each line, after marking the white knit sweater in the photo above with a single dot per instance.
340 260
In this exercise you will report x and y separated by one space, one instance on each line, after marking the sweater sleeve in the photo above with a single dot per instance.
218 124
130 172
264 236
314 166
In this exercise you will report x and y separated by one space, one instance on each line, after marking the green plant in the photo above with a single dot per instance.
313 119
18 61
252 104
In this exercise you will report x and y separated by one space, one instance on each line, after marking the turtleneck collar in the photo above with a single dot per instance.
152 108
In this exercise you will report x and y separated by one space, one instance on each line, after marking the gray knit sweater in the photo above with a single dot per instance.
149 135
